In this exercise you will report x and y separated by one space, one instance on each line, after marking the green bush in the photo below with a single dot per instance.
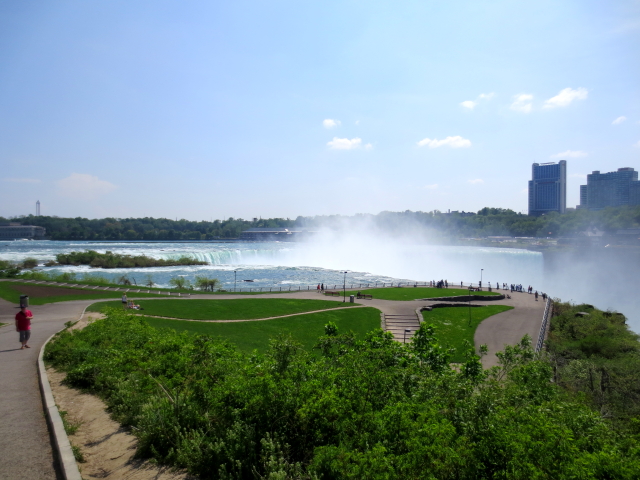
116 260
363 409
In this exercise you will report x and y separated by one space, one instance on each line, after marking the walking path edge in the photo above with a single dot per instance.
61 442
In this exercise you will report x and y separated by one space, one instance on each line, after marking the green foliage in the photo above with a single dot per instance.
207 284
8 269
70 425
29 263
371 408
487 221
145 228
236 309
180 283
597 356
77 454
117 260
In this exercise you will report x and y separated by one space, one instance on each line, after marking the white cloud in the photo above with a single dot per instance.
637 144
84 186
522 102
565 97
475 181
368 146
431 187
357 122
471 104
22 180
619 120
330 123
453 142
570 154
344 143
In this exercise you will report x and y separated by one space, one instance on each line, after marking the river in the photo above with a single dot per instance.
606 278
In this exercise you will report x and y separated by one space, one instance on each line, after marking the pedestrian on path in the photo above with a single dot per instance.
23 325
125 303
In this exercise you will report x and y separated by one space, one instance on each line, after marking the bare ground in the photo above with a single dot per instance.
108 450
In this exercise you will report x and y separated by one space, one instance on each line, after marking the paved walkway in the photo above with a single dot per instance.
25 448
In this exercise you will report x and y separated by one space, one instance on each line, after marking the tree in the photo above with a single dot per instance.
180 283
206 284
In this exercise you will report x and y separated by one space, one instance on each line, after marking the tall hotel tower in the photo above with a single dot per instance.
548 188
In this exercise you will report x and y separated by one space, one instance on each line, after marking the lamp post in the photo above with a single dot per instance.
469 306
405 335
235 279
344 288
481 276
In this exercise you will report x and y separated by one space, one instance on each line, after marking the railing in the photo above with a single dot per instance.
350 286
543 326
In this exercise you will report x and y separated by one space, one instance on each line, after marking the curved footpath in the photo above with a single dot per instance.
25 446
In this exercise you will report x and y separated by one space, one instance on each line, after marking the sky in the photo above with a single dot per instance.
208 110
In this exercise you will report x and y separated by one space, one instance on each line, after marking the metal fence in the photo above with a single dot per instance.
348 286
543 327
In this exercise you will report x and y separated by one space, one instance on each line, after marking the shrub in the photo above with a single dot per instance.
361 409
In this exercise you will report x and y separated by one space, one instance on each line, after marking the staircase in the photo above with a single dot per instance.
398 324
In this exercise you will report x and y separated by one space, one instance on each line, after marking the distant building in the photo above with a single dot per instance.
16 231
634 193
548 188
612 189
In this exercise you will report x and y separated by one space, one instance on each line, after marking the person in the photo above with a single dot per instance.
536 295
318 289
23 325
125 303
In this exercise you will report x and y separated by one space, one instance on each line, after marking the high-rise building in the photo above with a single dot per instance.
548 188
611 189
634 193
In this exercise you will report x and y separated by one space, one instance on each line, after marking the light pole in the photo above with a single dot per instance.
469 306
344 288
481 276
405 335
235 280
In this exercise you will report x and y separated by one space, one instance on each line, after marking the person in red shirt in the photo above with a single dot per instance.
23 325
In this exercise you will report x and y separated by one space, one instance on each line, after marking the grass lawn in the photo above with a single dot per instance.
236 309
305 329
452 324
41 294
415 293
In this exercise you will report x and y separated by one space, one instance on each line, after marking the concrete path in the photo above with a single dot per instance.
25 447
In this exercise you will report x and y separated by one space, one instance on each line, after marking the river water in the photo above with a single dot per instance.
607 279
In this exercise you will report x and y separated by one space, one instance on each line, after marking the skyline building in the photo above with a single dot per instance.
548 188
611 189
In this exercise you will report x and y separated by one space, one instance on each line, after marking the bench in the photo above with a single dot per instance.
366 296
332 293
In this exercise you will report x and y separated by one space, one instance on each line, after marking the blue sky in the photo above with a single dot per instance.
205 110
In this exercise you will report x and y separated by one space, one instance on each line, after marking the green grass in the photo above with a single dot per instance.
415 293
11 292
452 324
306 329
235 309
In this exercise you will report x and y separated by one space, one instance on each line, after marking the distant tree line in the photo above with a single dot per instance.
147 228
485 222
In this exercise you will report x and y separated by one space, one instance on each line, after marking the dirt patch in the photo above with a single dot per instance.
108 449
37 291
